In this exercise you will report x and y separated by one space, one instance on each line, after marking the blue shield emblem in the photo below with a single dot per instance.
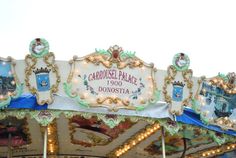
43 82
177 94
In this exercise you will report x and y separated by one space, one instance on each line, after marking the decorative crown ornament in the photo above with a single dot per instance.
178 83
41 70
115 52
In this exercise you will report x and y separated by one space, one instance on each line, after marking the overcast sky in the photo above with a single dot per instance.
155 30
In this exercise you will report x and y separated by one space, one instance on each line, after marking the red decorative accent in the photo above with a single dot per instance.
15 141
115 54
11 129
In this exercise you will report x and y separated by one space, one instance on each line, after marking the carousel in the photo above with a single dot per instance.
111 103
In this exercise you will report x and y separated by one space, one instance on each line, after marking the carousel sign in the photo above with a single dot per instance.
113 79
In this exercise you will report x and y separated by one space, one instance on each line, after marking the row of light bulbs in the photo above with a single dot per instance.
215 151
137 139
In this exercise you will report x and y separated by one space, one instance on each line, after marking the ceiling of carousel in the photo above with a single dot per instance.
82 138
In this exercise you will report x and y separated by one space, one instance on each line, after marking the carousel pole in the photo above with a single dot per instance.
45 142
9 146
163 142
9 155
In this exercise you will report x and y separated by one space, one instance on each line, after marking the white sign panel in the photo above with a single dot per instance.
113 79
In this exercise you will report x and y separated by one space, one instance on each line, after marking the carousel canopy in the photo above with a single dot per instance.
110 103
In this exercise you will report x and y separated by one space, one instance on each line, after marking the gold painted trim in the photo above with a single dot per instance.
229 88
171 74
30 65
114 100
106 61
199 82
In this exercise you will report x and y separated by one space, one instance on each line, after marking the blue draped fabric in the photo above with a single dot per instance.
190 117
26 101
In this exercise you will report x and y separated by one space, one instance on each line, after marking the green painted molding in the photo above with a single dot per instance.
127 54
156 98
196 108
123 54
45 117
111 122
82 102
218 139
223 76
19 114
68 90
102 52
171 128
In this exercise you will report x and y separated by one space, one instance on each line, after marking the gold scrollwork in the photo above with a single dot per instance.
199 86
171 74
114 100
31 62
97 59
228 86
51 64
121 64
